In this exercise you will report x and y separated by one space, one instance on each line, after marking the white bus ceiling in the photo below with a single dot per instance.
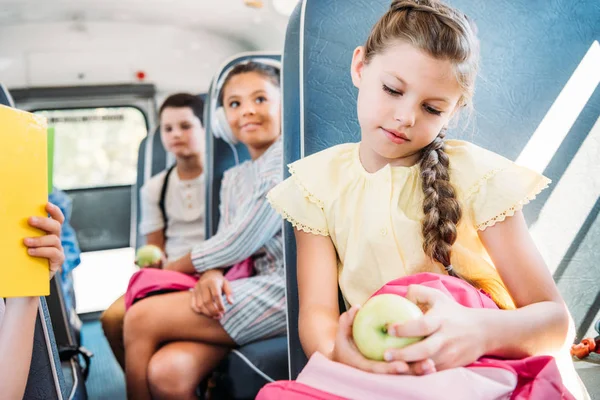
177 45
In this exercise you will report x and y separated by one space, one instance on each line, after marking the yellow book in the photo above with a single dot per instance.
23 193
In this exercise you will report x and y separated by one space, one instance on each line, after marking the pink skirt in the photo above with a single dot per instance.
150 281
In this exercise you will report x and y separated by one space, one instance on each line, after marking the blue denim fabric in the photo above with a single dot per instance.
70 246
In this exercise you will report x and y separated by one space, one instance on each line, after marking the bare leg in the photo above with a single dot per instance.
112 324
176 370
158 320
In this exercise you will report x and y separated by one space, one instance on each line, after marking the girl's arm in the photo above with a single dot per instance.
317 292
254 225
16 343
17 324
541 323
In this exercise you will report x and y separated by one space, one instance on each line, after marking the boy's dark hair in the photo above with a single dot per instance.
181 100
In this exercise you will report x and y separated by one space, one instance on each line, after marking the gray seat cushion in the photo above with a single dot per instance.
250 367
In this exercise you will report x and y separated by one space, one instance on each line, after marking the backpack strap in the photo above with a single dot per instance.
163 195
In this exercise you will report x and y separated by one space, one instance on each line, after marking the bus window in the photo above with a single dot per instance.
96 147
95 162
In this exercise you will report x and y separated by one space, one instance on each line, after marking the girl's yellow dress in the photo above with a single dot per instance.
374 220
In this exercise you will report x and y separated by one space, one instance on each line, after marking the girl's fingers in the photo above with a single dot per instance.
423 326
419 351
424 367
55 213
208 303
352 313
43 241
217 299
393 368
48 225
52 225
204 311
194 302
426 297
346 320
55 256
227 291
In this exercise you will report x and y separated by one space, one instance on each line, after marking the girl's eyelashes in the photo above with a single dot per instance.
234 104
391 91
396 93
432 110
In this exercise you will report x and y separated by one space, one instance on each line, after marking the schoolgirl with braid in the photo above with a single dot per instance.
407 200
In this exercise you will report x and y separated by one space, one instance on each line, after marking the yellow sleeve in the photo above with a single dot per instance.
315 180
502 192
304 211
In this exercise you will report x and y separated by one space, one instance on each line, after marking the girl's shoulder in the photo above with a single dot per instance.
466 154
264 169
322 174
490 185
472 165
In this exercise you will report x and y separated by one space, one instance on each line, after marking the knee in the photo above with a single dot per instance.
169 377
112 322
133 324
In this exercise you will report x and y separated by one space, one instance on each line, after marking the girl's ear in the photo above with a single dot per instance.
357 66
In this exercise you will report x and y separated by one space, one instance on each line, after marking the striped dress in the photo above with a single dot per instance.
250 227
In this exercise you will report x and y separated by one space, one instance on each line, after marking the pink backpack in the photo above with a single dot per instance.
151 281
532 378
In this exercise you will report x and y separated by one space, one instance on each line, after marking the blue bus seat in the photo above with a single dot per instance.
248 368
521 82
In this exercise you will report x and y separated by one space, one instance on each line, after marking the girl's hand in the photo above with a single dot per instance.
48 246
454 335
207 294
346 352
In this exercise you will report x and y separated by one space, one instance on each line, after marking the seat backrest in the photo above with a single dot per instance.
220 155
67 339
46 380
64 333
5 97
521 83
303 94
152 159
292 150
